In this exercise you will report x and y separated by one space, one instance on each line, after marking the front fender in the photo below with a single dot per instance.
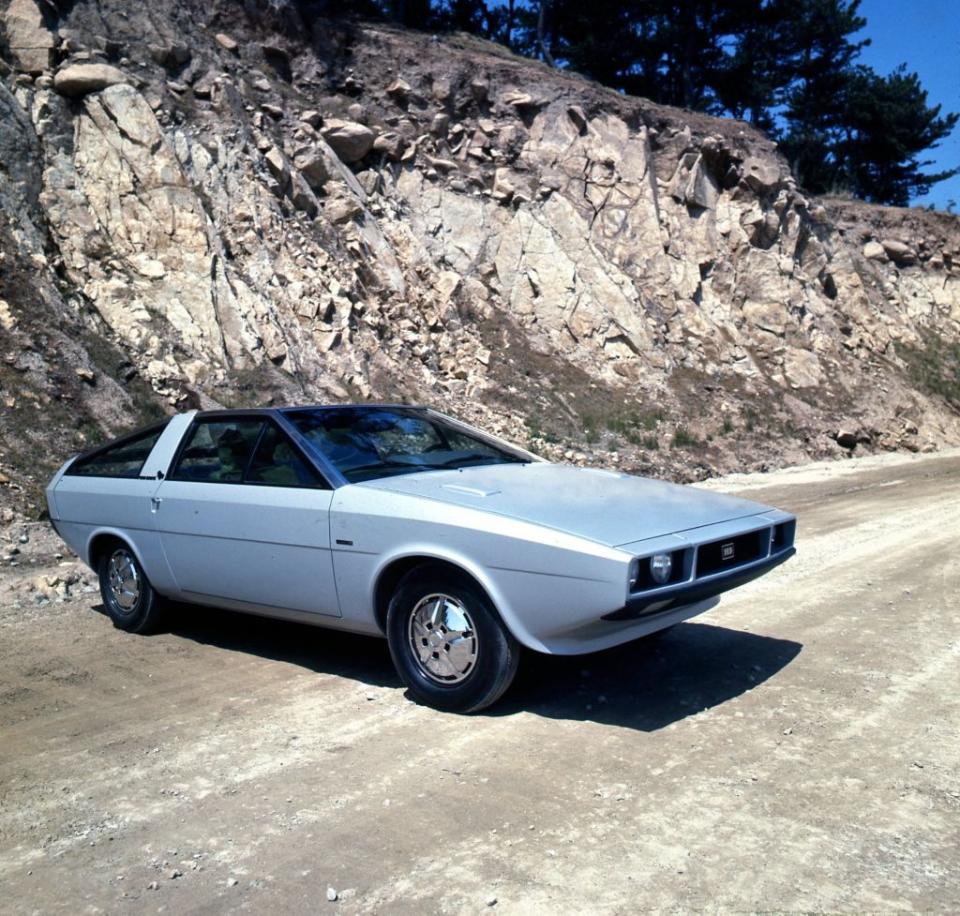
484 577
541 581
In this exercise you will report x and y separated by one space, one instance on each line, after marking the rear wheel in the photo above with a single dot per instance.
448 643
130 600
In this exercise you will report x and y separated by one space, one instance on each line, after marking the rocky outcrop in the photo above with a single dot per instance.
243 211
28 39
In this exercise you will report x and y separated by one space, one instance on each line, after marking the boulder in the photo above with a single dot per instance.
802 368
390 145
898 252
79 79
503 186
349 140
172 56
399 90
767 316
278 166
480 90
874 251
131 113
761 175
226 42
442 165
340 208
313 165
519 100
700 191
31 43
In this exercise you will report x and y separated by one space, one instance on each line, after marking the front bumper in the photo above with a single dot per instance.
639 606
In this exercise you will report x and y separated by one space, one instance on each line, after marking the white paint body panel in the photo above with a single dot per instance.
267 546
604 506
88 507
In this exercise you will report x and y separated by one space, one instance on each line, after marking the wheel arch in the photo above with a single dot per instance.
396 567
99 542
390 575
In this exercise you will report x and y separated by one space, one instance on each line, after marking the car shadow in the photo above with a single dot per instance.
649 683
646 684
361 658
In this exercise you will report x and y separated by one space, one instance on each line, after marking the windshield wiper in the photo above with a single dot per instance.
392 463
449 464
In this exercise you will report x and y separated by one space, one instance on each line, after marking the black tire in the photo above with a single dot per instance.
488 656
144 612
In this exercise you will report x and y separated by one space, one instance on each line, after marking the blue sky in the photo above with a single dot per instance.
925 35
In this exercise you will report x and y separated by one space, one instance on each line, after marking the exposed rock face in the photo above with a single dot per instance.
240 219
30 42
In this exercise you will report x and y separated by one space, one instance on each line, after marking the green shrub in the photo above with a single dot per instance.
683 438
934 367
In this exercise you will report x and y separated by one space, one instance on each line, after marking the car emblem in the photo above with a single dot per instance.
726 552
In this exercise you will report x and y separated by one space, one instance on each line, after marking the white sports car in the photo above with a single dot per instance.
399 521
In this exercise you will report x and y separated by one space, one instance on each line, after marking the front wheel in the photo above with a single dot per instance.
448 643
127 594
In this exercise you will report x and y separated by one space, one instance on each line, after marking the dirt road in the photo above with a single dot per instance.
796 748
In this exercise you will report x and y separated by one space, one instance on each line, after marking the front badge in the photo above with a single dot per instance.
726 552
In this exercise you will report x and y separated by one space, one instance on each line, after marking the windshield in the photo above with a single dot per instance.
369 442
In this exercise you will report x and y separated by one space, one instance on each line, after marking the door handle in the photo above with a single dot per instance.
155 503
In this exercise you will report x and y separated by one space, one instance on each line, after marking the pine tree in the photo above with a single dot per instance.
819 43
888 124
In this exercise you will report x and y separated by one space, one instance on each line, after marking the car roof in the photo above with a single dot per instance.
260 411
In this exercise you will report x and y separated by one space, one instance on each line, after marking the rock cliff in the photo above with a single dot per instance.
206 204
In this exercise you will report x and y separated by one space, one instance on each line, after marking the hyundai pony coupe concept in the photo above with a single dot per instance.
399 521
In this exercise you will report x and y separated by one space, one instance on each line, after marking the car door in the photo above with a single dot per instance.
244 516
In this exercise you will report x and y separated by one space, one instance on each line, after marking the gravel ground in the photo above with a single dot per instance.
798 748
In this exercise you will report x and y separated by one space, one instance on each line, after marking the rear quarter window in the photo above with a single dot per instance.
123 458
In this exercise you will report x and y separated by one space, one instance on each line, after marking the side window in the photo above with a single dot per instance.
218 451
121 460
278 463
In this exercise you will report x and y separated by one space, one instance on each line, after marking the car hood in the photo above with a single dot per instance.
604 506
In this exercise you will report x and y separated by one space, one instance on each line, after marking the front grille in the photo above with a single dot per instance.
783 535
729 553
